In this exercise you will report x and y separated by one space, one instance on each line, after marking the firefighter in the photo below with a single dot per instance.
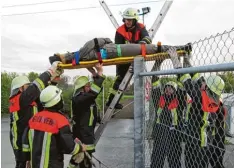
84 111
130 32
206 119
24 103
169 107
49 136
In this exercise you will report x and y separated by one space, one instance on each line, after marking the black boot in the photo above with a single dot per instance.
111 97
20 164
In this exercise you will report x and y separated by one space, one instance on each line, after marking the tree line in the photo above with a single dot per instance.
7 77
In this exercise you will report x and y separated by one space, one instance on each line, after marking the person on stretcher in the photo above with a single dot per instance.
103 48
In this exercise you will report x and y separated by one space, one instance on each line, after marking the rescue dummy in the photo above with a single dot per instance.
103 48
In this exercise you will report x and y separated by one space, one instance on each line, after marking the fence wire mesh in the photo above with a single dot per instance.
189 119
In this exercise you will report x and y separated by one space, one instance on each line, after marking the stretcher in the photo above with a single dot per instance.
120 60
105 51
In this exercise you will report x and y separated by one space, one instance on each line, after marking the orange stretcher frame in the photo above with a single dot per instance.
120 60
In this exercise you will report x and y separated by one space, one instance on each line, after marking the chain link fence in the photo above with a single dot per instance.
185 117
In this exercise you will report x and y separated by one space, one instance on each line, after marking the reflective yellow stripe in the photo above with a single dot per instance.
203 129
90 147
14 130
47 154
184 78
196 77
156 84
158 114
76 149
187 111
213 131
91 116
174 117
30 139
147 39
95 88
25 148
111 90
39 84
71 110
35 110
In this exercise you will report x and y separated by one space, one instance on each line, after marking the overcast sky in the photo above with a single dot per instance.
28 40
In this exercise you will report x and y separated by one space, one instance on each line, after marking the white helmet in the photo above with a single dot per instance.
18 82
50 96
215 84
130 13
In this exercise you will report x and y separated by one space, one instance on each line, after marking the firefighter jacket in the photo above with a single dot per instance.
206 117
47 138
84 113
23 106
169 110
138 33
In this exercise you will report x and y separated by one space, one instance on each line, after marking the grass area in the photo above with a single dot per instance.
126 97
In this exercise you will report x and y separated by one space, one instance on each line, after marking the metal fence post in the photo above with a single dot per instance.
138 113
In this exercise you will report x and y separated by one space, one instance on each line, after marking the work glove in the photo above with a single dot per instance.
79 157
55 71
174 57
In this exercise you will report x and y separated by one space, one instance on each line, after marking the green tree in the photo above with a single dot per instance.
32 76
6 79
107 84
228 78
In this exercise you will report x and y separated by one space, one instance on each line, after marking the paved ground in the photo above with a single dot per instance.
114 149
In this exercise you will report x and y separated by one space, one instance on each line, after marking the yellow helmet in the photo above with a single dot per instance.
173 84
80 82
130 13
215 84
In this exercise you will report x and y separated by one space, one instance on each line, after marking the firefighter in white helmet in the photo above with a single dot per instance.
206 119
130 32
24 103
49 136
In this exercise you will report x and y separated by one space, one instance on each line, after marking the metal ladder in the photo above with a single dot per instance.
110 110
152 31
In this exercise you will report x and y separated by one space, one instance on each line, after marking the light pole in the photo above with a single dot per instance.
145 11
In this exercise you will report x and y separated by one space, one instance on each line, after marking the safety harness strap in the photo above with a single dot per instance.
97 48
